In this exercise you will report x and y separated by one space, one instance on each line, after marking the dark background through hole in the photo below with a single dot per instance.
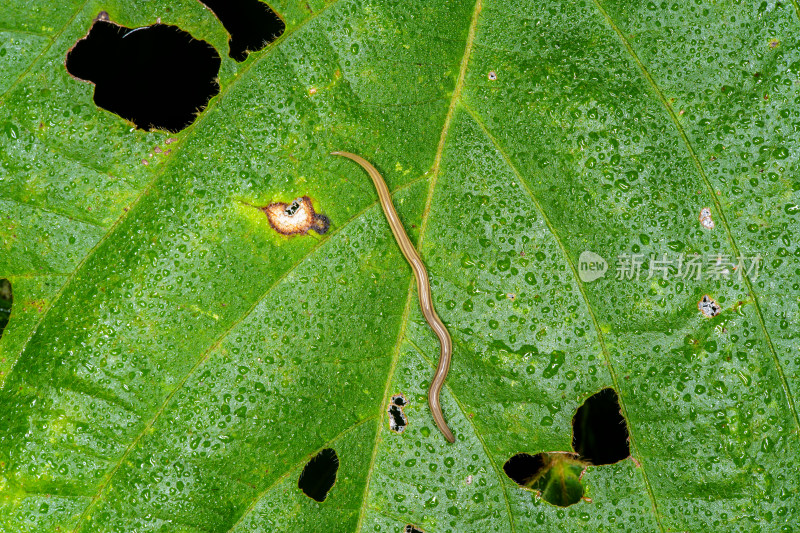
158 77
319 475
523 466
6 299
599 432
251 24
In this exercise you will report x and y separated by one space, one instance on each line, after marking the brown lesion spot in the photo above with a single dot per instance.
295 218
708 306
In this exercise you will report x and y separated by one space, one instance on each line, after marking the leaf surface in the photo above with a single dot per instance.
171 363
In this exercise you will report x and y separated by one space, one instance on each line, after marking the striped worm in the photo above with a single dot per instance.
423 288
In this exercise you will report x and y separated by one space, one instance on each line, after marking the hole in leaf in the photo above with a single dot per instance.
6 299
708 306
158 77
319 475
251 24
524 466
412 529
599 432
556 476
397 418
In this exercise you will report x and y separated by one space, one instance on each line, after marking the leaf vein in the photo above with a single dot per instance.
107 479
718 206
582 289
294 467
42 53
51 211
500 477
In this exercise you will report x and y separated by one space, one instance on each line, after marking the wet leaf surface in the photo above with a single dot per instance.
172 363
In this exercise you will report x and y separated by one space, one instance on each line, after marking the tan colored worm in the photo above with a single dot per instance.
423 288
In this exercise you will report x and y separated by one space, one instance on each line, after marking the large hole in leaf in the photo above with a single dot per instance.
556 476
412 529
319 475
599 436
158 77
251 24
6 299
599 432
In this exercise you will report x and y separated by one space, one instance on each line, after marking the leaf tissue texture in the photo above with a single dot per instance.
172 363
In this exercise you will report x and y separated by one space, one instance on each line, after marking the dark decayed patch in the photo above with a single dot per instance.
251 24
158 77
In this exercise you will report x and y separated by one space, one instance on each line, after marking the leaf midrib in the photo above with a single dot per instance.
423 227
498 472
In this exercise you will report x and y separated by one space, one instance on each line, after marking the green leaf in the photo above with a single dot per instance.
560 481
171 363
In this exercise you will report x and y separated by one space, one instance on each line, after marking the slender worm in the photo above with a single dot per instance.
423 288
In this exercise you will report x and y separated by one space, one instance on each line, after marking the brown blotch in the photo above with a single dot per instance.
295 218
708 306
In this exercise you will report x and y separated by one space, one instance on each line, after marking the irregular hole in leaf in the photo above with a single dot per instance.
555 476
158 77
705 218
599 431
397 418
708 306
6 299
251 24
524 466
412 529
319 475
296 218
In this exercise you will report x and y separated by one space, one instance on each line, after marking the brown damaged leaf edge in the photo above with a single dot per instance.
296 218
423 289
